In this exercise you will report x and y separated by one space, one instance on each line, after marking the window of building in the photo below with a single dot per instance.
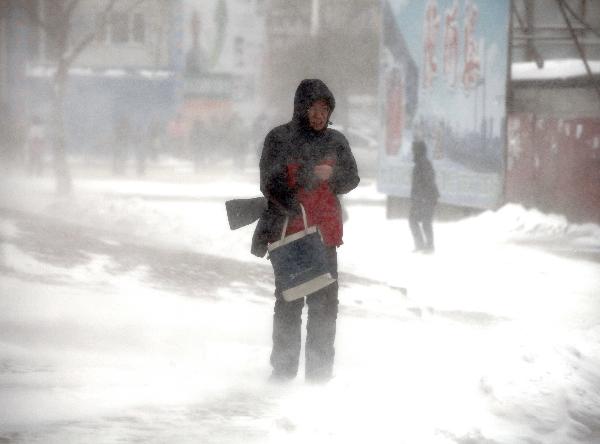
119 23
139 28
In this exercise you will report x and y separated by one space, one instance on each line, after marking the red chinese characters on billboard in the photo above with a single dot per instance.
430 31
471 68
451 44
436 86
395 112
471 50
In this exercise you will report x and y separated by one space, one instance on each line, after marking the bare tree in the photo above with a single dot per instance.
58 30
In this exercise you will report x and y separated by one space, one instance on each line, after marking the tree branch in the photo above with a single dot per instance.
85 41
71 7
539 61
103 20
135 5
519 19
79 48
595 85
34 16
580 20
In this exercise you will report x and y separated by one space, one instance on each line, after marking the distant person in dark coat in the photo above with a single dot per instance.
424 195
304 162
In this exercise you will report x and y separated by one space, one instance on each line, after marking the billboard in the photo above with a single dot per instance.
443 80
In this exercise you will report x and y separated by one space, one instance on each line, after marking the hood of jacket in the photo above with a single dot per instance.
307 93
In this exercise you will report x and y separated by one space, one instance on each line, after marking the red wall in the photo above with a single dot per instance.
554 165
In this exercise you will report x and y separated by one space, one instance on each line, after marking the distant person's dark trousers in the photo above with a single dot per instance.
420 219
320 331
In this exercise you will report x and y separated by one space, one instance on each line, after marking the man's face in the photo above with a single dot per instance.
318 115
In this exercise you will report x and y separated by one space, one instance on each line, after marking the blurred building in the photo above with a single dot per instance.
335 40
553 147
540 31
127 71
223 45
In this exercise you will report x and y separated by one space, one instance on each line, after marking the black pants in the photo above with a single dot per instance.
320 330
420 219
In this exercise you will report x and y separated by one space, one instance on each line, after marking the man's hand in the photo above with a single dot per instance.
323 172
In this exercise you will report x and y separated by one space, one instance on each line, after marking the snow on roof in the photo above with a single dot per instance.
150 74
114 73
49 71
553 69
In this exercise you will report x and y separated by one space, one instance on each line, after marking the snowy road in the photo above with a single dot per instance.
121 320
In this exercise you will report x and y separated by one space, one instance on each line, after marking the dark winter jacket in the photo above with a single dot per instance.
296 145
424 188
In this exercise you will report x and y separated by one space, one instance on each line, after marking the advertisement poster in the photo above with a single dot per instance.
443 81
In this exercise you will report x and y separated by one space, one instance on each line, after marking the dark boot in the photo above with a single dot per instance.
427 224
415 229
320 333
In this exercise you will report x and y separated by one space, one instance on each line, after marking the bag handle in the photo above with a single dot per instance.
285 224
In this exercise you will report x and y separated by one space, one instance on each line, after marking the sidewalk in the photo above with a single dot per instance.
134 318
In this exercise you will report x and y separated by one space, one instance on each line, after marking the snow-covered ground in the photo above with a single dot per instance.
130 312
553 69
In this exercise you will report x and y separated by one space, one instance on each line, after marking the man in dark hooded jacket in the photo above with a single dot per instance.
304 162
424 195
